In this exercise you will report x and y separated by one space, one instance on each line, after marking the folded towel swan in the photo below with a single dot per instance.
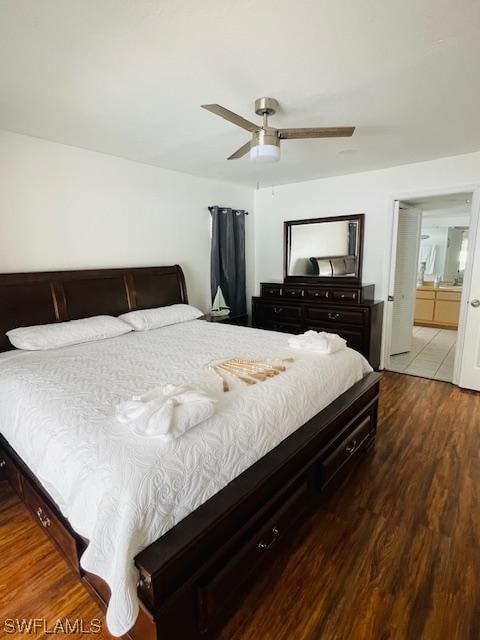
322 342
166 412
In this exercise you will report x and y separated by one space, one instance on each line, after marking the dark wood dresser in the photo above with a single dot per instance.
350 311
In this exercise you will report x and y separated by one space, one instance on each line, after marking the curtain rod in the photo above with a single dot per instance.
210 209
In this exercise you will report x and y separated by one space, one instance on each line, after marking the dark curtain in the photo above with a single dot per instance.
352 238
228 257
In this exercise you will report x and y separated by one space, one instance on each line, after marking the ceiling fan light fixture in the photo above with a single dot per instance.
265 153
265 146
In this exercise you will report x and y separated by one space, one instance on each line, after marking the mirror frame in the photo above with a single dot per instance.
336 280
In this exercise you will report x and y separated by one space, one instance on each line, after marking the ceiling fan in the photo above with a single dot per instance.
265 143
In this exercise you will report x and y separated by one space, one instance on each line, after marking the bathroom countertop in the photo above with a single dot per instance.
442 287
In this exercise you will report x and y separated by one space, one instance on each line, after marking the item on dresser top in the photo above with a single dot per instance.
146 319
66 334
248 371
322 342
166 412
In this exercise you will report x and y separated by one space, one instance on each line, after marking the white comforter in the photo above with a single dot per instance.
57 410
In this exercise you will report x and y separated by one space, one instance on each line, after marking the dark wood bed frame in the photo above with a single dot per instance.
191 577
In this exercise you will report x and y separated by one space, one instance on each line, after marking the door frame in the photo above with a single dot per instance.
391 238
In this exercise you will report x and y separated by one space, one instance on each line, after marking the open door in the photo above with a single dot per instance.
406 230
469 367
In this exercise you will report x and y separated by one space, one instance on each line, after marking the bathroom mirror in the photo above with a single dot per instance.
324 249
442 252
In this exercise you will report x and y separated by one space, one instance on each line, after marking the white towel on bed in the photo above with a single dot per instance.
167 411
322 342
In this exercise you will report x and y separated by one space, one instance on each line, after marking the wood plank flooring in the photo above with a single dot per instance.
393 554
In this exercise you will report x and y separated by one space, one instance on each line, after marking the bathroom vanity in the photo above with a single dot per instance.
438 306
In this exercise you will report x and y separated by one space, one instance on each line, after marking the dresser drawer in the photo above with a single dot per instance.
354 337
278 312
271 290
293 292
318 294
9 472
51 524
231 577
283 327
336 315
346 450
345 295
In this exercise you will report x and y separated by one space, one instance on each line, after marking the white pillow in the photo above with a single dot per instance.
324 267
65 334
338 266
146 319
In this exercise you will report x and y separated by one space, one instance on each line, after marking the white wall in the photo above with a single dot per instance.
62 207
371 193
67 208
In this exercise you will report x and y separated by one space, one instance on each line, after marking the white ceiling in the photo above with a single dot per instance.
126 77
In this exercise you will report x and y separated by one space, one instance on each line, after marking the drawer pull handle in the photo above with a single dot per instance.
277 309
351 448
266 545
333 316
44 519
144 582
3 463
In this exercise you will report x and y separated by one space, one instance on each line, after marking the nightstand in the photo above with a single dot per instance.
241 320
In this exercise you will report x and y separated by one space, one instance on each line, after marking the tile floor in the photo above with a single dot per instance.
432 354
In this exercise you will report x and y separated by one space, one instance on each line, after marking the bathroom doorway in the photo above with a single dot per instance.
431 252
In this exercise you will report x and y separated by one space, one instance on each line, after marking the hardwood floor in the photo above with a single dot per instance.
393 554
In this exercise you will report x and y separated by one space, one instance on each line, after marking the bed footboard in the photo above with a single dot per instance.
203 565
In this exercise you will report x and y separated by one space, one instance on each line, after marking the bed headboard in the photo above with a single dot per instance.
56 296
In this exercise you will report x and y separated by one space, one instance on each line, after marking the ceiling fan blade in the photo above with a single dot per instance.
239 153
231 117
316 132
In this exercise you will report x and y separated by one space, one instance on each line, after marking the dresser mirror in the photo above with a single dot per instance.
324 249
